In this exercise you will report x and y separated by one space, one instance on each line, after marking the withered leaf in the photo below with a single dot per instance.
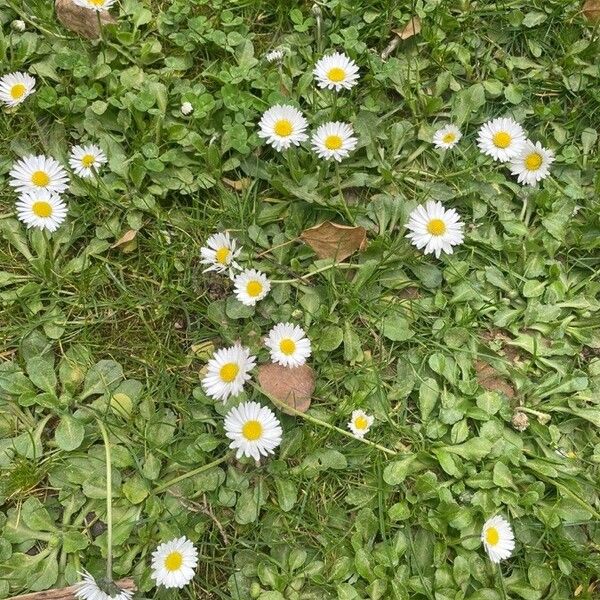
124 242
413 27
489 379
237 184
332 240
81 20
289 386
591 10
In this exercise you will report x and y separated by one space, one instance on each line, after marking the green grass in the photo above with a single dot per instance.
327 516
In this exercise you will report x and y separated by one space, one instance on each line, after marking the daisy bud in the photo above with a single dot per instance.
187 108
18 25
520 421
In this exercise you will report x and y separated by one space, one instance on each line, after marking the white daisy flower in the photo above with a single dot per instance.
532 164
34 173
336 71
41 209
187 109
288 345
15 87
250 286
447 137
334 140
227 371
97 5
360 423
274 55
283 126
434 228
18 25
220 253
498 538
89 589
502 138
174 563
254 429
87 160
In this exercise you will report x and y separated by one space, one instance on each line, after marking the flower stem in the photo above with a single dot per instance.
109 524
315 421
315 272
168 484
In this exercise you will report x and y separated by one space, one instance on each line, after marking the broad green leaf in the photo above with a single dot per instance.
287 493
473 449
35 515
41 373
428 396
396 328
502 476
69 434
395 472
101 378
330 338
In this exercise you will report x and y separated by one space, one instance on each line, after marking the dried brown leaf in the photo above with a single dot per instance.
331 240
591 10
125 241
238 184
81 20
413 27
489 379
290 386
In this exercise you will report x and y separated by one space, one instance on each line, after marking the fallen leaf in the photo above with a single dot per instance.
81 20
591 9
290 386
238 184
331 240
124 242
489 379
413 27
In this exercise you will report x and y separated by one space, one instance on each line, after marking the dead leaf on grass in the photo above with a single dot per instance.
332 240
412 28
291 387
489 379
239 185
81 20
127 241
591 10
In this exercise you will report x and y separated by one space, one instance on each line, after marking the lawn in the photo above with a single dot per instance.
477 370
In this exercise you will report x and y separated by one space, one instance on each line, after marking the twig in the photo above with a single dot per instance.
204 509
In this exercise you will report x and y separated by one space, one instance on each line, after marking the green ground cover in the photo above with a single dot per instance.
481 368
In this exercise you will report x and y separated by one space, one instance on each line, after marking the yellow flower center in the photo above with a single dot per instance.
254 288
361 423
336 74
449 138
502 139
283 128
173 560
287 346
333 142
40 178
492 536
88 160
97 2
533 161
229 372
436 227
252 430
221 255
17 91
42 209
